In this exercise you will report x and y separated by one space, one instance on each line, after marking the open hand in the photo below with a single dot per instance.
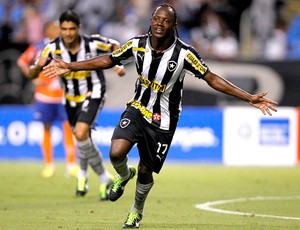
264 104
56 68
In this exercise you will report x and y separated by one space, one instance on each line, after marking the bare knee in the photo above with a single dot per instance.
82 131
81 135
119 149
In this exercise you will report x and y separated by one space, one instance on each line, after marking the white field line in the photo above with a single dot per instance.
208 206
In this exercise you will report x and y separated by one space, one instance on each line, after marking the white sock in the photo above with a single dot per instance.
105 177
82 173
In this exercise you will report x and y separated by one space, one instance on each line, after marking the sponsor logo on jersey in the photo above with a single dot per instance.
156 117
123 49
57 52
140 49
196 63
152 84
76 99
46 51
78 75
103 46
146 113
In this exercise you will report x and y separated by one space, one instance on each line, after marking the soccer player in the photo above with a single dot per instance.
84 93
151 117
48 105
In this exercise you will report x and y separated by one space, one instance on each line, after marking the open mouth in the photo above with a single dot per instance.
159 30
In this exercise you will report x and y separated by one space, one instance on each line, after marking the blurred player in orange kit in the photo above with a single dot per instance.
48 105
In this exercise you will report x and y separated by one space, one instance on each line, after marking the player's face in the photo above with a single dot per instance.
52 30
162 22
69 32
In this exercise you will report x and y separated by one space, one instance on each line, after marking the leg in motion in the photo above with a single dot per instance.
96 162
143 186
118 157
70 150
47 150
89 154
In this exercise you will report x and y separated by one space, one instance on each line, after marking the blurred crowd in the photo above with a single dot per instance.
222 29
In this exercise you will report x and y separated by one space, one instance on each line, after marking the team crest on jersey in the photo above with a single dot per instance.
124 123
156 117
88 55
85 106
172 65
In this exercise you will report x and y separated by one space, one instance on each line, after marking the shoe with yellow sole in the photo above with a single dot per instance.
48 172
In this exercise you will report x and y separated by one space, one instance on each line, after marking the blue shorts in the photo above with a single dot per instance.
49 112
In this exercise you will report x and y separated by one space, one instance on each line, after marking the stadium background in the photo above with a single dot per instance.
206 131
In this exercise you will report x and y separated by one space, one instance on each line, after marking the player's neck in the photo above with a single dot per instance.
159 45
73 47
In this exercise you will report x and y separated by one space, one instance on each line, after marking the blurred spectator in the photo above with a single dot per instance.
258 26
276 45
33 24
293 39
131 21
93 12
11 20
262 15
209 27
130 14
5 34
24 19
225 46
212 37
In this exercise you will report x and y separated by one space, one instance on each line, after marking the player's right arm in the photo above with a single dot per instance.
60 67
42 60
118 57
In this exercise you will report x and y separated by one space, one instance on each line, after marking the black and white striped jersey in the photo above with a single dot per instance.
159 85
78 83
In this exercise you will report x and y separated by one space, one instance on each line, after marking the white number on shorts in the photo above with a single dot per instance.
162 148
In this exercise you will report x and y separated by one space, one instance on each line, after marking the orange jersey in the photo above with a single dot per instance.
47 90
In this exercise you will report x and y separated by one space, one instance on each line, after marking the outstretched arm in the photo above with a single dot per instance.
258 101
60 67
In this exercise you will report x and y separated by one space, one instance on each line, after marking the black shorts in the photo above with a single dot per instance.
153 143
86 111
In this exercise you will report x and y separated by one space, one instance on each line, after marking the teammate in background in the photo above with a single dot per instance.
84 93
151 117
48 105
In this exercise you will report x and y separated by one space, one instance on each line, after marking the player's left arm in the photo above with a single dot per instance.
258 100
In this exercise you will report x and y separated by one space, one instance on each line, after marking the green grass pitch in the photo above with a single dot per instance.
28 201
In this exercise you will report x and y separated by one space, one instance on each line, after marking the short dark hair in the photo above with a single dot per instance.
69 16
167 6
174 14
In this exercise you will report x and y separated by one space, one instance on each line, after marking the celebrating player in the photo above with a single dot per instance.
151 117
84 93
48 105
